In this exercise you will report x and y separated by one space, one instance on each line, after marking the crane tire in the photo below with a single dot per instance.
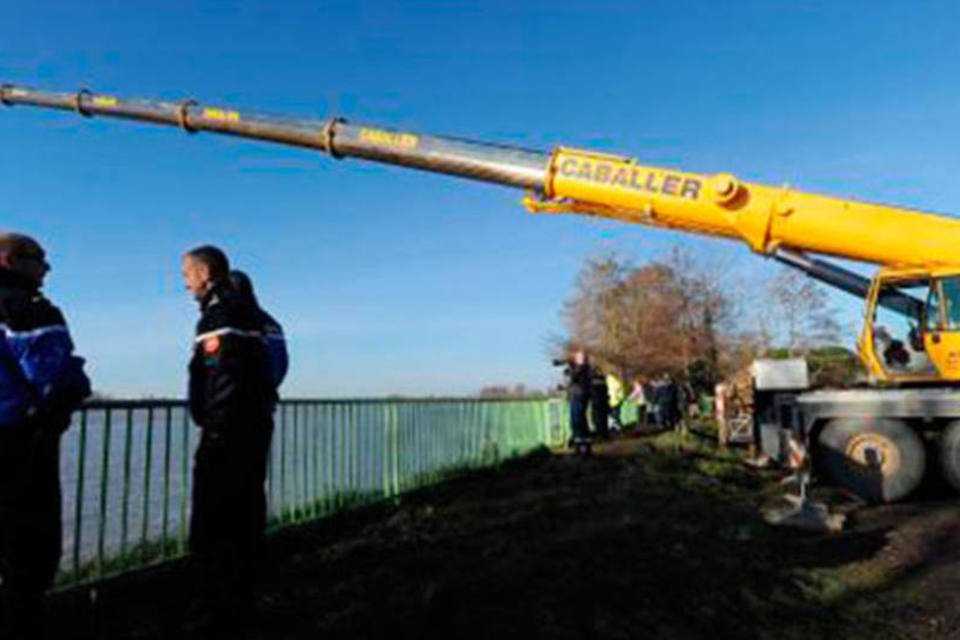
949 450
879 459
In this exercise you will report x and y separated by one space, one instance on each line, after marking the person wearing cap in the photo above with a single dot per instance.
231 399
41 383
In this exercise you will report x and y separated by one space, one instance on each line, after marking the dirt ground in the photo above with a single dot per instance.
638 541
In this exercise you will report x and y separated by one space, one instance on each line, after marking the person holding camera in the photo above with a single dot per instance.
579 375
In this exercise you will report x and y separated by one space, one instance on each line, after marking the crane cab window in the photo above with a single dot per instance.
898 319
932 321
951 303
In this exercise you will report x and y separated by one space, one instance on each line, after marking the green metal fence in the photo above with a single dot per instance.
126 465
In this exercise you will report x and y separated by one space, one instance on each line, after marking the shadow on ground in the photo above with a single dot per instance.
638 541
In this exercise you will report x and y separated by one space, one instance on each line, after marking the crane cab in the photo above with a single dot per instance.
911 332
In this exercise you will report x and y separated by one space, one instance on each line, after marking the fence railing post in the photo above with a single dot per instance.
145 509
78 506
125 508
167 443
104 479
184 479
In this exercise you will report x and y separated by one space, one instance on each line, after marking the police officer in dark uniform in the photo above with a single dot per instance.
231 397
41 383
276 344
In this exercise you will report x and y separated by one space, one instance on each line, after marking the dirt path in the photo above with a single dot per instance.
635 542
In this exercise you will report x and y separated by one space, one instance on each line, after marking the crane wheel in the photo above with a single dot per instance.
879 459
949 446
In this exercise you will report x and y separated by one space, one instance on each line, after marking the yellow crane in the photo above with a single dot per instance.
869 439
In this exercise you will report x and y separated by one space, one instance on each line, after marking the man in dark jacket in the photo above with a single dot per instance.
276 345
670 400
41 384
600 404
231 397
579 374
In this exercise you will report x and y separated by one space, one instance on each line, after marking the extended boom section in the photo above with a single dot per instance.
478 160
570 180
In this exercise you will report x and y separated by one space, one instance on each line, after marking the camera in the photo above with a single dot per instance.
567 372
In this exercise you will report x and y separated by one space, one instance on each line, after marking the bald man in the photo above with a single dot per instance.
41 383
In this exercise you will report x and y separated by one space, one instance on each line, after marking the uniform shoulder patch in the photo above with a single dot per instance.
211 345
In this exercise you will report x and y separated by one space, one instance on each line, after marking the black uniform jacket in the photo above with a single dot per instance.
230 374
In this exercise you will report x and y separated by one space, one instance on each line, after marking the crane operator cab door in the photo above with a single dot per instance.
942 326
912 333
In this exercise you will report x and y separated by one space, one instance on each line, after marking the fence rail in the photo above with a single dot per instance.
126 465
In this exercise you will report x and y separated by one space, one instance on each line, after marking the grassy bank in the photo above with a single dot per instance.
639 541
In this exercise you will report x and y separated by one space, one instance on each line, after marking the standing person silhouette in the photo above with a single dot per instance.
41 383
231 397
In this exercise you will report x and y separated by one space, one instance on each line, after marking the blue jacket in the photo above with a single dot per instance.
41 380
276 347
270 329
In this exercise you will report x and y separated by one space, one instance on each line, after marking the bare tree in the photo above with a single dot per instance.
662 316
590 314
802 310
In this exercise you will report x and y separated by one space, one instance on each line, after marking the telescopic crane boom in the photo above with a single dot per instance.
583 181
781 222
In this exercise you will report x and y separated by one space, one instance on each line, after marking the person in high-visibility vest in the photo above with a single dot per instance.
617 393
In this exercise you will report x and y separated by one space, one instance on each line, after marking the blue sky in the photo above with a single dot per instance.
394 281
